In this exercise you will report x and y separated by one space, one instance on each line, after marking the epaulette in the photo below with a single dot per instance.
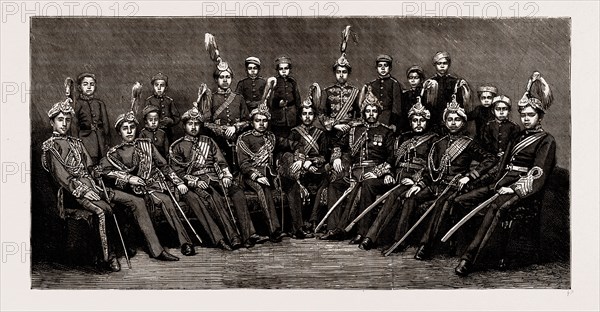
386 126
143 139
245 134
394 79
168 97
47 145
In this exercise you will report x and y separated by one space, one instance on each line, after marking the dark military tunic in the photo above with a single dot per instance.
410 154
255 157
530 148
199 159
158 137
251 89
305 143
481 115
140 158
446 86
387 90
497 134
225 108
169 115
90 124
284 116
450 156
339 105
368 148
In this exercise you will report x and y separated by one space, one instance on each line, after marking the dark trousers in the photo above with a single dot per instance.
294 189
172 214
199 203
394 204
334 192
490 221
438 218
368 192
242 221
265 197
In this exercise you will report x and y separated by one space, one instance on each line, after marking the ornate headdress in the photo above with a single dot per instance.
129 116
136 92
370 99
213 50
63 107
192 113
343 61
262 109
454 107
538 94
419 110
314 96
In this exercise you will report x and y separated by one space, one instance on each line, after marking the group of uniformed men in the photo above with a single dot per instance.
347 148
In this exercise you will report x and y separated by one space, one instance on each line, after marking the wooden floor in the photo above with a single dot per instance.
306 264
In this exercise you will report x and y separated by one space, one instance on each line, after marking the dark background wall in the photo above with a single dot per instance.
120 51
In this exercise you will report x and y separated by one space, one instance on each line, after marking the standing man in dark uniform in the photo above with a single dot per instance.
90 119
70 164
449 164
285 100
410 153
443 87
255 156
198 159
515 183
368 148
252 87
483 113
415 77
169 115
339 104
224 111
388 91
496 133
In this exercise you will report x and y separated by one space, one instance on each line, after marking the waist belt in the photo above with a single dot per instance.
203 171
408 165
517 168
367 163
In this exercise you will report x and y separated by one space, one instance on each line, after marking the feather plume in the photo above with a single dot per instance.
211 46
69 88
430 88
315 93
136 92
271 82
540 90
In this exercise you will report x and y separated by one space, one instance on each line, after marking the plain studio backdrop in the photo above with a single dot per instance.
121 51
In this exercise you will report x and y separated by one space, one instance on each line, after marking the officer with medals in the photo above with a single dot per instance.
410 154
366 151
